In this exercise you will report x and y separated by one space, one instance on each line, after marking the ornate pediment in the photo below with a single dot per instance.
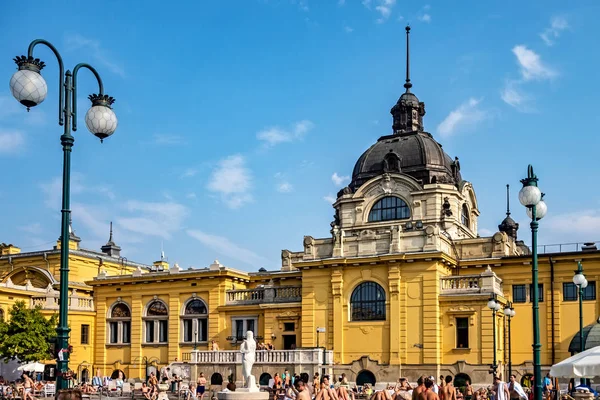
288 315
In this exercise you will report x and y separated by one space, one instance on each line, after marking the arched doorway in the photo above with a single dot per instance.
85 375
460 381
216 379
118 374
264 379
365 376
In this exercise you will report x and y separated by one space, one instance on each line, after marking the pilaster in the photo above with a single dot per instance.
431 317
394 312
99 330
136 333
174 337
337 287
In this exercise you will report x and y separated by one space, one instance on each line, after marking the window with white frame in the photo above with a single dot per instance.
156 323
119 324
195 322
241 325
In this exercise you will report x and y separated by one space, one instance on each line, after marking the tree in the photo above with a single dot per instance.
27 334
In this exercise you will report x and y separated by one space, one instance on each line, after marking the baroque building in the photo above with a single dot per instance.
399 288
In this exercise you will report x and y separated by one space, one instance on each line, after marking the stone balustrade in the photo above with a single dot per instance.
51 301
286 357
485 283
265 294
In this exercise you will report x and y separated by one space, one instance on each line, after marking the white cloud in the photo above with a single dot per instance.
485 232
532 67
53 189
513 95
159 219
464 116
276 135
77 41
33 228
425 18
329 198
348 29
557 25
224 246
11 141
577 226
339 180
189 173
284 187
232 180
383 7
167 139
191 195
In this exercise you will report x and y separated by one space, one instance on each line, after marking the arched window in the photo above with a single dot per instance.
389 208
119 324
464 216
367 302
195 322
156 322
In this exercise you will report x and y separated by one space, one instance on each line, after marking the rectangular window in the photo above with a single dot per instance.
242 325
540 292
589 293
462 333
289 326
126 331
163 331
149 331
85 334
519 294
569 291
202 330
188 330
114 332
239 329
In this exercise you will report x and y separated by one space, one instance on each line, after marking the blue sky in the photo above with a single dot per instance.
238 120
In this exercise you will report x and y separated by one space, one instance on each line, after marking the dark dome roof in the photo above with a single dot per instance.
591 338
413 153
509 226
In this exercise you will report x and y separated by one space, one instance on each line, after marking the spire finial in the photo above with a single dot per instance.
507 199
110 238
408 85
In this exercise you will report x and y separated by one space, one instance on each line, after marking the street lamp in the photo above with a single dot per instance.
29 88
509 312
531 197
581 282
495 307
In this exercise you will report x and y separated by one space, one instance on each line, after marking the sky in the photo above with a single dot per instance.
239 121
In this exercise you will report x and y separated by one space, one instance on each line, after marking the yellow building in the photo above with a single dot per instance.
400 288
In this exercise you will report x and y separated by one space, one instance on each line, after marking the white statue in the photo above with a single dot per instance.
248 350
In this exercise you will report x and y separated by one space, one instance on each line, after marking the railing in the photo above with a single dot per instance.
265 294
486 282
301 356
567 247
52 302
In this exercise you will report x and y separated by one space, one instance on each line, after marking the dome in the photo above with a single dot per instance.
591 338
413 153
509 226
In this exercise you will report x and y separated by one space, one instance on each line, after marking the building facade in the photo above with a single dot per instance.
399 288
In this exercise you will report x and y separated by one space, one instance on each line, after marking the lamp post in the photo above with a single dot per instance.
509 312
495 307
581 282
29 88
531 197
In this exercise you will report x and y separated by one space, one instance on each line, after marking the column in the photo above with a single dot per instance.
431 317
394 312
137 308
174 336
337 286
99 338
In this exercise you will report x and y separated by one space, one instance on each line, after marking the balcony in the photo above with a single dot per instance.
314 356
486 283
265 294
51 301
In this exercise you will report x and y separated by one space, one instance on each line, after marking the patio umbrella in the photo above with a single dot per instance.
32 367
582 365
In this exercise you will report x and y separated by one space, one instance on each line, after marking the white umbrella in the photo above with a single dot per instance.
581 365
32 367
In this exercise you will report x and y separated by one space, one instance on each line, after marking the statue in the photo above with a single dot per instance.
248 350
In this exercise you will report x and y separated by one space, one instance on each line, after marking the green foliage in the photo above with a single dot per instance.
27 334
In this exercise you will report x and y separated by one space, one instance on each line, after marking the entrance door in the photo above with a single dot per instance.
289 342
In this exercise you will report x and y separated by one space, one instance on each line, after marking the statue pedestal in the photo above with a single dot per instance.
243 394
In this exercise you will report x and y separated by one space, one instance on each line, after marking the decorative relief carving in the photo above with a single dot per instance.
366 329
